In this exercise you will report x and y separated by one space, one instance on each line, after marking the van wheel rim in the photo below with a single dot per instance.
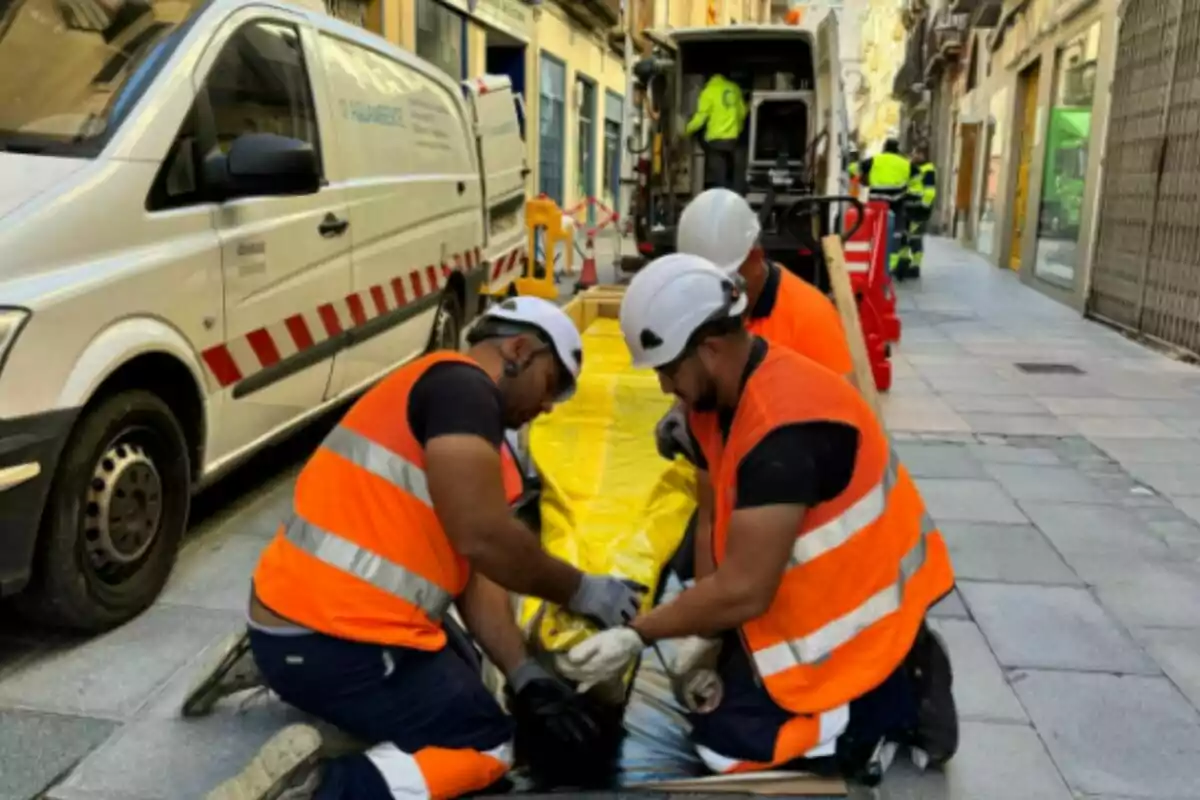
124 507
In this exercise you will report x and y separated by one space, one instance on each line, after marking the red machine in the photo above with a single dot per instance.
867 263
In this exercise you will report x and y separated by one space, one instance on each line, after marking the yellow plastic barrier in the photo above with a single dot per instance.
544 217
610 504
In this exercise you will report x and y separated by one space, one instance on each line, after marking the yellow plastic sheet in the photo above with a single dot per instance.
610 504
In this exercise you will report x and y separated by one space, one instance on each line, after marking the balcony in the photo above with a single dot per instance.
602 14
980 13
910 78
945 41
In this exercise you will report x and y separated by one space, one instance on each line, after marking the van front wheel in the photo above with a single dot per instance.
116 513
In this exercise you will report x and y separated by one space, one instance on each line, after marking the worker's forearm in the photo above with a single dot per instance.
512 557
710 608
487 612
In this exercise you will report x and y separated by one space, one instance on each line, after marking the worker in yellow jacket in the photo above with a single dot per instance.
922 194
721 113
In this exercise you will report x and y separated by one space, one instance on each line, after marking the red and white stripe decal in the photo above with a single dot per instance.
858 256
265 347
507 263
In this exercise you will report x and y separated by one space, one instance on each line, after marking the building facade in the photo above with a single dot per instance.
1013 98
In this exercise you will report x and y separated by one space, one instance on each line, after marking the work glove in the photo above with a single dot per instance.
547 710
606 600
692 653
601 657
671 435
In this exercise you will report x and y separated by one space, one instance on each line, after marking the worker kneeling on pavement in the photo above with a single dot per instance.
399 515
824 562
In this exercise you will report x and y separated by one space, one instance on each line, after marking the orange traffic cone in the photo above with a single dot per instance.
587 273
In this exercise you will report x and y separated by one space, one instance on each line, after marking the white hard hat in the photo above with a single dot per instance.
554 324
720 226
668 299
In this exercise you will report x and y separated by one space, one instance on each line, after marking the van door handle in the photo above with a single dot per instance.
332 226
462 187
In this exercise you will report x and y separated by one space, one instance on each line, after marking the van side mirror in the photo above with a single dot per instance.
262 165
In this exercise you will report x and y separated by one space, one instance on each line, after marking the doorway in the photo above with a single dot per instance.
1027 94
964 190
585 175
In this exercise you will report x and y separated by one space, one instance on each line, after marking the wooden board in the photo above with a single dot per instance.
766 784
843 297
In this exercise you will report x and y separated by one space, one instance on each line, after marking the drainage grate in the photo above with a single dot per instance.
1046 368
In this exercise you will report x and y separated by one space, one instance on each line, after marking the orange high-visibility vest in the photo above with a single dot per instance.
363 556
514 482
806 321
866 566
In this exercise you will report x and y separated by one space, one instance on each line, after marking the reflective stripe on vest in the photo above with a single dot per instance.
817 646
370 567
380 462
838 530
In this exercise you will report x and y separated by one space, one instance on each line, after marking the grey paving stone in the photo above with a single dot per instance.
1169 479
214 572
1093 407
921 414
1151 451
1054 627
36 748
1061 484
1147 388
994 762
968 501
927 460
1010 454
1189 506
989 385
169 759
113 674
1121 735
998 404
981 691
1144 590
952 607
1043 424
1177 651
1091 528
1124 427
1007 553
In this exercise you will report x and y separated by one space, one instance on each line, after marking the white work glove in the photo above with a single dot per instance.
671 435
601 657
693 652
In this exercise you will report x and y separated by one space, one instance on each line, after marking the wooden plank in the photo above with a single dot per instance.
843 297
765 784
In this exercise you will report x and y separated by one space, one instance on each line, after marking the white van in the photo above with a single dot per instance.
217 219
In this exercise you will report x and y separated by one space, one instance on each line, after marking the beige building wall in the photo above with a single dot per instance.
584 52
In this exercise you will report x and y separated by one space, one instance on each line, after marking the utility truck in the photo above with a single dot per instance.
791 148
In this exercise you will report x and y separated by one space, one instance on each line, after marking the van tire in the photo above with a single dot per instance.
447 324
128 453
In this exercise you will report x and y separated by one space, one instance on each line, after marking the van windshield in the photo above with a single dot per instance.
70 70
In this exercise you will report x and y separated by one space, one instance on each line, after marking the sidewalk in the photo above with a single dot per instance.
1070 501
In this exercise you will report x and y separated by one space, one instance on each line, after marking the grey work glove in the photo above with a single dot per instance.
671 435
606 600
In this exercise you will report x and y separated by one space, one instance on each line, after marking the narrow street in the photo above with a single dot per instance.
1068 496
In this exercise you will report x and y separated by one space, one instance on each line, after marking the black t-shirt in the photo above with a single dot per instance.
801 464
456 398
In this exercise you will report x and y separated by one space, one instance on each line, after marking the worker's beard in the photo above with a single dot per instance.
707 399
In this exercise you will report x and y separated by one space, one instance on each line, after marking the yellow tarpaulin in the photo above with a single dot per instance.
610 504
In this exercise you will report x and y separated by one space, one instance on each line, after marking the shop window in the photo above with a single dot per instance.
441 36
996 137
614 108
552 104
1067 140
585 174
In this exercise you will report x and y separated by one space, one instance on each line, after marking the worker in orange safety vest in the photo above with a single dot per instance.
823 558
399 516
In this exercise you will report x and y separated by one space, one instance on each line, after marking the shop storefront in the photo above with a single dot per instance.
1043 113
504 28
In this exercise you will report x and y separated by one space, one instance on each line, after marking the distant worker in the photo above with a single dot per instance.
888 175
825 559
721 113
399 515
922 194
